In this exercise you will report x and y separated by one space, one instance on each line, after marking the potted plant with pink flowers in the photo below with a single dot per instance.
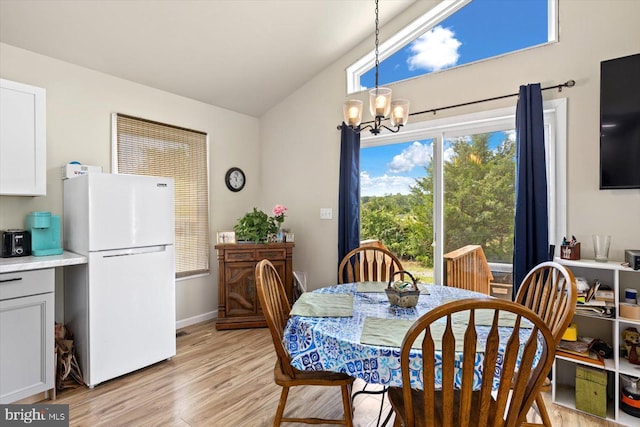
278 215
256 226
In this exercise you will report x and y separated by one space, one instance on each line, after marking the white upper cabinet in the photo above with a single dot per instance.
23 146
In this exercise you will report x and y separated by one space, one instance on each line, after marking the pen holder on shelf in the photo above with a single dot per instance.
403 293
570 252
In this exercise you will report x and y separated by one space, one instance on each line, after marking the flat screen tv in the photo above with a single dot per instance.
620 123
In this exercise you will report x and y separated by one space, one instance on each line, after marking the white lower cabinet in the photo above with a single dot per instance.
610 330
27 359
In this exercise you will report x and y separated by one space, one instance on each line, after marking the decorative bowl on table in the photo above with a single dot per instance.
403 293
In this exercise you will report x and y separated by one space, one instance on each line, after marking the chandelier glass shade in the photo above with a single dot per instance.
353 112
399 112
380 101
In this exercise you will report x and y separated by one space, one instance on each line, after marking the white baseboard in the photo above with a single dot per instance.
196 319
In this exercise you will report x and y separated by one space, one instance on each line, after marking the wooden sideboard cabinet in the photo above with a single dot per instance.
238 305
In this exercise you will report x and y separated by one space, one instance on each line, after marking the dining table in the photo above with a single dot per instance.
352 328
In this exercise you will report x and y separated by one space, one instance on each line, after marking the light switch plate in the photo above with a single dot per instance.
326 213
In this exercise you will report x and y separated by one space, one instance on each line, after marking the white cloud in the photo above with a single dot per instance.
434 50
448 154
414 155
383 185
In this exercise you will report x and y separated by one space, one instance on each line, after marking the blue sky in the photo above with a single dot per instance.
481 29
393 168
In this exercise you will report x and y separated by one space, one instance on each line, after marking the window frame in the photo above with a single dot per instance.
188 274
555 125
421 25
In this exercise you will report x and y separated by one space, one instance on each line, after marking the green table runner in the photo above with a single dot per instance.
484 317
391 332
312 304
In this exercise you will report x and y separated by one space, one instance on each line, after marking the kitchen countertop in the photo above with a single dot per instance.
25 263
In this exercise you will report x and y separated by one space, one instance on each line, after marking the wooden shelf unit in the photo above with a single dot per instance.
619 278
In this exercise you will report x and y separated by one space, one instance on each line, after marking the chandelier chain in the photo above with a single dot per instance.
377 42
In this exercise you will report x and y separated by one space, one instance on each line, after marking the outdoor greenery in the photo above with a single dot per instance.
479 200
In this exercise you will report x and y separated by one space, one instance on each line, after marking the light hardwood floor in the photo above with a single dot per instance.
225 379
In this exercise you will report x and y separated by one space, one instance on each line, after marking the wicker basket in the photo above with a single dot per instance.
403 297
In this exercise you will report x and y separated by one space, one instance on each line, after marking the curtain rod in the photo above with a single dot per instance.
568 83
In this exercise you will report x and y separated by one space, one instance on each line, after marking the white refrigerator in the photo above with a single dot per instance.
120 306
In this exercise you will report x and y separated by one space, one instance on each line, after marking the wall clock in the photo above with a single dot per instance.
235 179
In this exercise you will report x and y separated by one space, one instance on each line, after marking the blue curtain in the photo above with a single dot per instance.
349 193
531 241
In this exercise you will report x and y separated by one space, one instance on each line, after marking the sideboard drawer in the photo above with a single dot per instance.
270 254
232 256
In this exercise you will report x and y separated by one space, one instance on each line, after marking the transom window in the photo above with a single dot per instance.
457 32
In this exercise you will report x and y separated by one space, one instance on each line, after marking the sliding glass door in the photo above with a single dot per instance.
478 193
440 185
396 204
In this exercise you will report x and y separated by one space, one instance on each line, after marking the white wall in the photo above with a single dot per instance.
291 155
300 143
79 107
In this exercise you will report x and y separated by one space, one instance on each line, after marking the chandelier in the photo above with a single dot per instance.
380 104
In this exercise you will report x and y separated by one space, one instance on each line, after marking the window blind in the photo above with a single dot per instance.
145 147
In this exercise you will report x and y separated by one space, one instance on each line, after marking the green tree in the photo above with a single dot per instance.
479 205
479 197
383 218
420 239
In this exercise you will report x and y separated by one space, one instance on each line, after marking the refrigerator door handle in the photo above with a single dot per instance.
134 251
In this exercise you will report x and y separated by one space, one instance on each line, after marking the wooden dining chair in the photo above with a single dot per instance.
276 308
550 291
368 263
451 405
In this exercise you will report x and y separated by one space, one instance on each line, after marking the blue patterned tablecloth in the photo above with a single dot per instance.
333 343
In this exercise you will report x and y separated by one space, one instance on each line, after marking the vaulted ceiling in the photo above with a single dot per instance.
243 55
